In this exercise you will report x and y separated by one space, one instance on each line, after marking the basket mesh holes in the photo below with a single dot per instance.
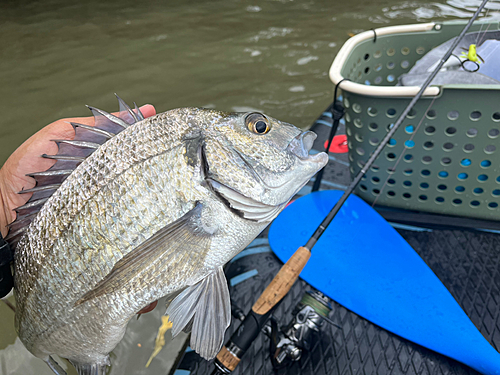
490 149
451 130
448 146
431 114
478 191
377 54
465 162
496 192
373 126
412 113
493 133
374 141
391 181
425 172
496 116
347 117
389 127
469 147
372 111
457 201
485 163
474 204
378 80
376 191
407 183
408 172
347 104
375 168
410 143
472 132
367 56
363 187
446 161
407 195
367 70
359 74
391 112
351 159
459 189
358 137
375 180
378 67
424 185
360 151
426 159
475 115
405 64
356 107
428 145
390 65
453 115
357 123
462 176
391 156
391 194
391 170
349 133
409 129
439 199
420 50
442 187
422 197
351 169
443 174
391 52
492 205
482 177
359 60
391 78
430 130
360 164
408 157
392 142
405 51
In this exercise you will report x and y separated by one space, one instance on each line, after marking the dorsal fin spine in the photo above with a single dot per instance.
106 127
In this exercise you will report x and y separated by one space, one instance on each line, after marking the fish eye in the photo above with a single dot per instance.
257 123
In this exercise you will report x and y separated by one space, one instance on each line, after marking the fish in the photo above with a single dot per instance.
135 209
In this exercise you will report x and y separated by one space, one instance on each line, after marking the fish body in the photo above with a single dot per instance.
154 211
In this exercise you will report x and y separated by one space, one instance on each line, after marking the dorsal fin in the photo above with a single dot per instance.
70 154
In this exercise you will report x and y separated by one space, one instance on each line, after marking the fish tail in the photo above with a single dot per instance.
54 366
91 369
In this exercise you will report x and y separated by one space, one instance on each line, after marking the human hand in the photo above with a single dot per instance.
27 159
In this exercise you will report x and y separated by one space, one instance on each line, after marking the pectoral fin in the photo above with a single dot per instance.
183 240
206 305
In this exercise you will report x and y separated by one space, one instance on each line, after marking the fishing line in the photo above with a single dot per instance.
403 152
350 189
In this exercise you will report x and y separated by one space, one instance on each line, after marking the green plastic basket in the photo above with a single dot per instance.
451 165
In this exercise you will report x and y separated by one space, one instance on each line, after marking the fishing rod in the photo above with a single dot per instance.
231 354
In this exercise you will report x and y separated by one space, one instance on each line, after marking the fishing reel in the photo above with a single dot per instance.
301 333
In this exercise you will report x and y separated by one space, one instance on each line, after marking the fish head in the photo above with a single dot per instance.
261 158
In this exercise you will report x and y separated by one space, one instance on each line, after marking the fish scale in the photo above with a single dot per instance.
156 210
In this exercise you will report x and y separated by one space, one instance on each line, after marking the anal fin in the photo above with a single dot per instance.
207 306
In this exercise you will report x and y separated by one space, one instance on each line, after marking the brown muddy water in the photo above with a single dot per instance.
269 55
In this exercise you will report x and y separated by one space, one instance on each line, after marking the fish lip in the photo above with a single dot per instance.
301 145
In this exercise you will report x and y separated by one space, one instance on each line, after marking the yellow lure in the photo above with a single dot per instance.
160 337
471 54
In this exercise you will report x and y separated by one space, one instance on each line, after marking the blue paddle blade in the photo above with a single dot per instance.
365 265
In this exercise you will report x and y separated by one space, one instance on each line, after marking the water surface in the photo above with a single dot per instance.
273 56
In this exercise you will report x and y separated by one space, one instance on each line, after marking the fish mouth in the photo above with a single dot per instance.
301 145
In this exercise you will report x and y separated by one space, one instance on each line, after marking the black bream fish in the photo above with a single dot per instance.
136 209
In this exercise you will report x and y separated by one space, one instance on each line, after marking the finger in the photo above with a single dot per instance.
26 159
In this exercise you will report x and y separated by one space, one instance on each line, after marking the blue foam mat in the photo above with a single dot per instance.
365 265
